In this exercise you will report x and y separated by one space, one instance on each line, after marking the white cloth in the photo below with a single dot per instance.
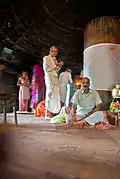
64 79
63 89
50 70
95 118
67 96
24 91
52 86
53 98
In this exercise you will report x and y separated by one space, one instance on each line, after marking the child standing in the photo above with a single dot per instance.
24 91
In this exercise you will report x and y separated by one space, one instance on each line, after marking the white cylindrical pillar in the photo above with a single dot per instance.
102 55
102 65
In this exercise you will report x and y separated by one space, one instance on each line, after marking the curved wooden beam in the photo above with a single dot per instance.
60 23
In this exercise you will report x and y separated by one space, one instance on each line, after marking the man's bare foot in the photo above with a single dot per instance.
49 114
81 122
105 121
63 124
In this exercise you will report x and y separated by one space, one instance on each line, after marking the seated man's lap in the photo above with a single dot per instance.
94 118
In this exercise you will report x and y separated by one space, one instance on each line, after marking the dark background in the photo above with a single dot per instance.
31 27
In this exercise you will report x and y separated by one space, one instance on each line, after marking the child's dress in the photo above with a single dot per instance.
24 94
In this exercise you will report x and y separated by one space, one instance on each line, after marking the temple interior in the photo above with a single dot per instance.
54 126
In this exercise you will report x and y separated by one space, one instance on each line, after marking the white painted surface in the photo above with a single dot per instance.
102 65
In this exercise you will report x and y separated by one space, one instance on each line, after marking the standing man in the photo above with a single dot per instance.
51 68
65 80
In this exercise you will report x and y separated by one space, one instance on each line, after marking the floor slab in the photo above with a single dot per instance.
32 152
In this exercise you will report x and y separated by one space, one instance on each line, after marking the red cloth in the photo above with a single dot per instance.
40 109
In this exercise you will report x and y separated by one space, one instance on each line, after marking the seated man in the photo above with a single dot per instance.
85 106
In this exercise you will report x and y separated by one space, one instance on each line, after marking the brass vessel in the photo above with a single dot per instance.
116 91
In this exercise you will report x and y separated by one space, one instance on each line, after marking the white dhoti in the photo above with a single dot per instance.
63 90
93 119
67 96
52 98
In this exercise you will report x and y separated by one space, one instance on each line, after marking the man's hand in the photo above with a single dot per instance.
91 112
57 63
60 64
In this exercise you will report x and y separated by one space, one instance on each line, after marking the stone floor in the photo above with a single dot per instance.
24 118
41 151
